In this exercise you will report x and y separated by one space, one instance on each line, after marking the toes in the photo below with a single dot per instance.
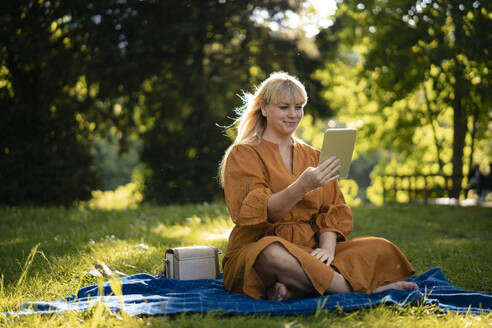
399 285
405 285
278 292
281 291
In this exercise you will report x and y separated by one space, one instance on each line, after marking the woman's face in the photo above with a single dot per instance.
282 117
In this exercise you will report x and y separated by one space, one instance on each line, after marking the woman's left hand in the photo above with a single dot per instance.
323 255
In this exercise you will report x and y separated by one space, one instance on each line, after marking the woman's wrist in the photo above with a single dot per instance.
300 188
328 241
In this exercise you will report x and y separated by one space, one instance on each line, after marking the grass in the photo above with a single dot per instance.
46 254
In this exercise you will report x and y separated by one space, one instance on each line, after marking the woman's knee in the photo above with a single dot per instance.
273 254
383 246
374 242
384 243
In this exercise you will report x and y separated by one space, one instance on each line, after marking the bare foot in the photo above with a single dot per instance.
398 285
278 292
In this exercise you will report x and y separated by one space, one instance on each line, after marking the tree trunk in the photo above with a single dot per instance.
459 133
473 134
431 118
459 114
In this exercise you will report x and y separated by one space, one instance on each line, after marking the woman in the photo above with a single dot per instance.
291 220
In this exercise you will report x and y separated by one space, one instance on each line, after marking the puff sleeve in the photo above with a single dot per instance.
334 215
245 187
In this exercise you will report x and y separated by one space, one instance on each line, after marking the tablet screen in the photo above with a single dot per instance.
339 143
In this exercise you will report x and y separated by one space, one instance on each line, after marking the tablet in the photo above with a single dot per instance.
339 143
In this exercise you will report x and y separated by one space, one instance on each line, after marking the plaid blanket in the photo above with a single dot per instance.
151 295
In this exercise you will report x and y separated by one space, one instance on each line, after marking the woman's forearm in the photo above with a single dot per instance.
282 202
328 241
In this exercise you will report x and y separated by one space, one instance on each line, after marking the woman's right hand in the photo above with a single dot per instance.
314 177
282 202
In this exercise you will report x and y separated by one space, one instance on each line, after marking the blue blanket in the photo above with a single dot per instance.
150 295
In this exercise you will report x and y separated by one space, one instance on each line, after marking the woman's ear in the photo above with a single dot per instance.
263 109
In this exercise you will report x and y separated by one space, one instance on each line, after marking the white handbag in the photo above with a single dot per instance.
192 262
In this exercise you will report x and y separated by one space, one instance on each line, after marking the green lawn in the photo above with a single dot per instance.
70 241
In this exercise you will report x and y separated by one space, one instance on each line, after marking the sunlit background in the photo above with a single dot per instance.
111 104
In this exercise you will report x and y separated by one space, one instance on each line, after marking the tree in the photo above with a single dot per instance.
168 71
44 159
218 51
438 50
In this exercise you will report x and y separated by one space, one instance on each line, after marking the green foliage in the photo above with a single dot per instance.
114 167
124 197
43 95
415 76
433 55
414 84
47 253
73 71
196 88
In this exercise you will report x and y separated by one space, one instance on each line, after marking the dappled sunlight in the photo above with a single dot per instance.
454 241
195 232
311 132
12 242
313 17
125 256
175 231
135 242
124 197
131 256
350 189
223 235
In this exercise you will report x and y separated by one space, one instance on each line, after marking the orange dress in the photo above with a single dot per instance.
252 175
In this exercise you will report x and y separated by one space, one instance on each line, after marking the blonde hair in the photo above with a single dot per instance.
251 123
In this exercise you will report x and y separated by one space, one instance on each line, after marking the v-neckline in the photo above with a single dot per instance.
279 156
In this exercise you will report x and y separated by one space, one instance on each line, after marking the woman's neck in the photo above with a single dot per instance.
282 141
